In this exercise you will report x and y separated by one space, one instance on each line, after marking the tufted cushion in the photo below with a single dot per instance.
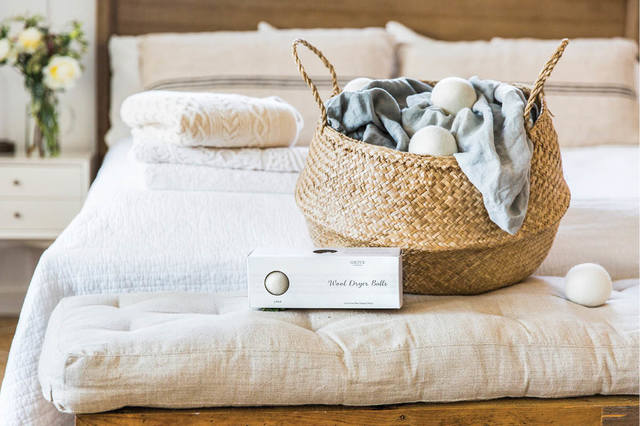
102 352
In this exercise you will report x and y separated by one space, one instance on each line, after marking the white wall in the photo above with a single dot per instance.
77 107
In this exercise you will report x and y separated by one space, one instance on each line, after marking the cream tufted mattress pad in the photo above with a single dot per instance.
102 352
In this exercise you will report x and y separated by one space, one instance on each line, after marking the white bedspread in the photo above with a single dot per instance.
182 177
131 240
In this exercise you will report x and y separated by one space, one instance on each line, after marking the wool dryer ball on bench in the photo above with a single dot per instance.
453 94
433 140
588 284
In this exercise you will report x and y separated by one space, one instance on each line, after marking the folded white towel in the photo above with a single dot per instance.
211 119
179 177
266 159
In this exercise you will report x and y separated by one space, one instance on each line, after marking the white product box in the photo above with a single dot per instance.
347 278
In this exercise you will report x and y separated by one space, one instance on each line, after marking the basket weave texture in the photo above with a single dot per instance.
354 194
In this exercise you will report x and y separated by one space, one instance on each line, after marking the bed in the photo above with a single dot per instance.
120 241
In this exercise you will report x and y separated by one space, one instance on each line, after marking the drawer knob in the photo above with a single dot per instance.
16 182
17 215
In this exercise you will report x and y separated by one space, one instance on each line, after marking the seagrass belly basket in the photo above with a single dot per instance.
356 194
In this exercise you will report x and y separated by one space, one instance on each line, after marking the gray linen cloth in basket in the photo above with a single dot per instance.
494 150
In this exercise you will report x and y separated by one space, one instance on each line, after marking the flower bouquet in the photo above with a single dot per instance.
50 63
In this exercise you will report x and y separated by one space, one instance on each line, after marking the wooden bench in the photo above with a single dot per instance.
595 410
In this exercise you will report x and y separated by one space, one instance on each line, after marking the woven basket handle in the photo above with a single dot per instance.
305 76
536 92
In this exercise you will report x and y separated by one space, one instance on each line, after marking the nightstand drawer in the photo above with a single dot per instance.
34 215
42 181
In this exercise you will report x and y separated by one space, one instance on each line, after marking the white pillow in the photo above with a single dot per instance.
125 81
261 64
402 33
265 26
312 33
592 91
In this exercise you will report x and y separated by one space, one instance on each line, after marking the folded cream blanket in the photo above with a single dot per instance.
211 119
289 159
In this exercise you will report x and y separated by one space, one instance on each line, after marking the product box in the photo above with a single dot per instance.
347 278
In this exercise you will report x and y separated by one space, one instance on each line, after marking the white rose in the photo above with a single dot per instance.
61 72
5 49
12 58
29 40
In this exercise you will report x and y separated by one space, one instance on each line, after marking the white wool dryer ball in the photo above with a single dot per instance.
433 140
453 94
356 84
588 284
276 283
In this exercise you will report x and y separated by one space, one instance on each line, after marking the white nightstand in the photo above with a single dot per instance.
40 196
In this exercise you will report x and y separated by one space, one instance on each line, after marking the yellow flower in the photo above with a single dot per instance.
5 49
61 72
29 40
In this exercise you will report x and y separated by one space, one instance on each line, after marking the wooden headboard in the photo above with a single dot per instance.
443 19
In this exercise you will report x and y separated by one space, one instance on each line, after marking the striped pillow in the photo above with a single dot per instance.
592 91
260 64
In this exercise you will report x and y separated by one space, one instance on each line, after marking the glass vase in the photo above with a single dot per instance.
32 135
41 130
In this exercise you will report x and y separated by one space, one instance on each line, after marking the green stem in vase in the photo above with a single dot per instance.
44 110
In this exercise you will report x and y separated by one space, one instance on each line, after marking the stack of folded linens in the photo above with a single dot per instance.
214 142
